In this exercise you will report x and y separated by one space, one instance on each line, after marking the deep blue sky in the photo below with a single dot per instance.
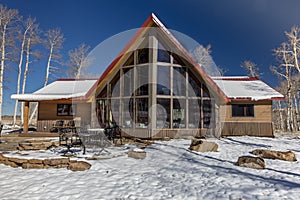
236 29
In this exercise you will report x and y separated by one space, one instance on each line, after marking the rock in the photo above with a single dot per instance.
18 161
251 162
32 166
2 158
35 161
271 154
45 164
203 146
79 166
36 145
56 161
137 154
9 163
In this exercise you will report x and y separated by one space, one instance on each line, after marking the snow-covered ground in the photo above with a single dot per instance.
170 171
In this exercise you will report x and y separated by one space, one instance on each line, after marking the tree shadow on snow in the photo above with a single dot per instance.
193 158
249 143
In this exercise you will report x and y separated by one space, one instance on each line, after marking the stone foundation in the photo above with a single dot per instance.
73 165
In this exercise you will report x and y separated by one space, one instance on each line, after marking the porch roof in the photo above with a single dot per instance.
243 87
59 90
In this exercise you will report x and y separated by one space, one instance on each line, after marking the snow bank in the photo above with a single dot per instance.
170 171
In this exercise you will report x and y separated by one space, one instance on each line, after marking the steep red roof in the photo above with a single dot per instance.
154 21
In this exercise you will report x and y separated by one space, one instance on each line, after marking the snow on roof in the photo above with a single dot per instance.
243 87
60 89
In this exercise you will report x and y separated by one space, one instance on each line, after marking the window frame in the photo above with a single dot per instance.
245 107
70 109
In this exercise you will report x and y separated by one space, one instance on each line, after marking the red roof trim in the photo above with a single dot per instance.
154 19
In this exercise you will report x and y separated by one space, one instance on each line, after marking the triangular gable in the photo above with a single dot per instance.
153 21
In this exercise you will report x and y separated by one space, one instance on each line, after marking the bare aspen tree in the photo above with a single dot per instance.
33 38
251 68
78 60
53 43
28 24
7 17
284 70
294 45
295 99
203 56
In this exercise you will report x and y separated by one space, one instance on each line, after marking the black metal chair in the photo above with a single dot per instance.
112 132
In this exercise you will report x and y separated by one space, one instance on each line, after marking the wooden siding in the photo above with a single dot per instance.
48 111
47 114
259 129
262 112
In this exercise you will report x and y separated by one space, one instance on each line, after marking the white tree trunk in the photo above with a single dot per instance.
2 67
19 77
48 65
295 53
25 75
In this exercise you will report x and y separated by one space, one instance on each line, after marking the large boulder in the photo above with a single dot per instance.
271 154
203 146
251 162
79 166
137 154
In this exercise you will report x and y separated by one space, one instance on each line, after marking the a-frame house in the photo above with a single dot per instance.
154 89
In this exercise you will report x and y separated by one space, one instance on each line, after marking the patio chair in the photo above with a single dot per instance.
112 132
58 124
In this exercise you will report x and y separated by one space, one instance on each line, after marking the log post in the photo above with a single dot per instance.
26 117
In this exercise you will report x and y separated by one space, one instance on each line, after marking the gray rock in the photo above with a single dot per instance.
251 162
79 166
271 154
137 154
203 146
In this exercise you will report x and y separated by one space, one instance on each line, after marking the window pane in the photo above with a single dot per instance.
194 85
163 113
127 112
128 77
163 56
179 111
103 93
142 80
163 80
194 113
206 113
115 85
205 92
130 60
101 106
242 110
142 113
143 56
115 109
250 110
179 81
237 110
